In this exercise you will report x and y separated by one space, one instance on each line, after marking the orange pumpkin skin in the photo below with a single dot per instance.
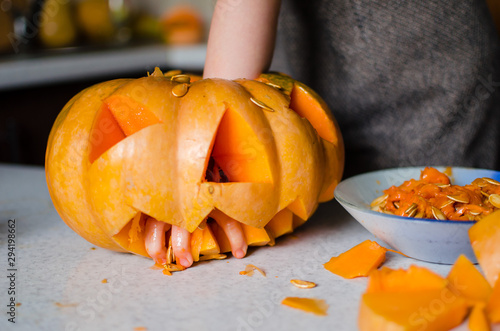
131 146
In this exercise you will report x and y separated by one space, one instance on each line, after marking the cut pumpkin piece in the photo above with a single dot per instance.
255 236
310 305
359 261
485 240
478 321
413 279
281 223
468 282
493 307
408 311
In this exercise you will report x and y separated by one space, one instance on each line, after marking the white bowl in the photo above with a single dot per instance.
423 239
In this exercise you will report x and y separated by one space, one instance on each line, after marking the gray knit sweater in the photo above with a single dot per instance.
411 83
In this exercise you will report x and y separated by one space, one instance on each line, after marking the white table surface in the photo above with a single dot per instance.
59 275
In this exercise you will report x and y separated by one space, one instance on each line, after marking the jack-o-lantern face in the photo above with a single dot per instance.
181 150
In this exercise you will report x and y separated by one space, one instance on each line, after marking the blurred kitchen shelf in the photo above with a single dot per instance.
19 71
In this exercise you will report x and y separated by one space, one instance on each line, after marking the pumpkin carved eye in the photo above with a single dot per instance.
119 117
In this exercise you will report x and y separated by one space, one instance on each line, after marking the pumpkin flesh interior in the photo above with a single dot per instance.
119 117
306 105
239 152
485 240
468 282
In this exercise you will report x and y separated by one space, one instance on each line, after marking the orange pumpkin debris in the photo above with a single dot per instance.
249 270
493 306
485 240
358 261
310 305
478 321
468 282
413 299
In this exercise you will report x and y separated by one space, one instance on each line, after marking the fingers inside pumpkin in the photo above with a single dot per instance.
155 240
181 242
235 235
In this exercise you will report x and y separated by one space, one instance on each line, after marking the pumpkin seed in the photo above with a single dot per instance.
377 209
173 267
396 204
380 200
211 189
458 198
447 203
442 185
479 182
184 79
412 213
213 257
474 213
261 105
494 199
302 283
180 90
485 194
276 86
491 181
412 209
438 214
172 73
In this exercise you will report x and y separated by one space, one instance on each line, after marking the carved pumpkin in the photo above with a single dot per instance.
183 151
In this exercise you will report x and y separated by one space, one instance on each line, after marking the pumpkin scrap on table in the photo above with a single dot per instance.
418 299
249 270
175 167
309 305
358 261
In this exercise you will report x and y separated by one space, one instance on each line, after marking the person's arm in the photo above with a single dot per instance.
241 39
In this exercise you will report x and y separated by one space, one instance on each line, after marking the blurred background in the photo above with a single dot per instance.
52 49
